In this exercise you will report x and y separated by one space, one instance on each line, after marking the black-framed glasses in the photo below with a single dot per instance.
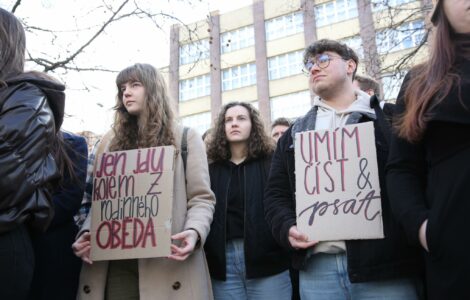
321 60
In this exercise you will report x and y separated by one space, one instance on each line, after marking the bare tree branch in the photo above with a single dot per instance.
15 6
52 64
403 63
62 63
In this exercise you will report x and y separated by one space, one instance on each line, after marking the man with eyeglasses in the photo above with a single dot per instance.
386 268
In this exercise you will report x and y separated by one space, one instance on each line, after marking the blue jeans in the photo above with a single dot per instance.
238 287
326 278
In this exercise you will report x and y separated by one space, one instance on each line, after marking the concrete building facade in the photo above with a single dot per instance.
254 54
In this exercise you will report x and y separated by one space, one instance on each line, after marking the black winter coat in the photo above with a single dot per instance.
430 179
57 269
31 112
368 260
263 256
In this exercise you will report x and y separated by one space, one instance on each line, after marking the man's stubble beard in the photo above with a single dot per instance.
327 91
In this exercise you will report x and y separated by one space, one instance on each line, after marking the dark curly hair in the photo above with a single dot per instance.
259 143
339 48
154 127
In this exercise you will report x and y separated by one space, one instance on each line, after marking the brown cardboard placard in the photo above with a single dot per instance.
132 204
337 184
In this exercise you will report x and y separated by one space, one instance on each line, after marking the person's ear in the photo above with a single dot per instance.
351 66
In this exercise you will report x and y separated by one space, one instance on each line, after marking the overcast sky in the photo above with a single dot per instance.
91 95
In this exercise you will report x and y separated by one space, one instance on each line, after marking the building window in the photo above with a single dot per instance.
195 87
406 36
238 76
237 39
378 5
335 11
285 65
284 26
391 84
291 105
355 43
195 51
201 122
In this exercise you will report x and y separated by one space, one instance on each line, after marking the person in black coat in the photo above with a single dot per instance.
244 260
57 268
428 173
354 269
31 113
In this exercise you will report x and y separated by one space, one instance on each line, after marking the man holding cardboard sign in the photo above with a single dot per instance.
325 198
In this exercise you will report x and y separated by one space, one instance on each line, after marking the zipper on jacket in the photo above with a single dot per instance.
288 173
244 217
225 219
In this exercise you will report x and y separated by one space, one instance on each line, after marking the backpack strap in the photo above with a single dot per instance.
184 148
385 125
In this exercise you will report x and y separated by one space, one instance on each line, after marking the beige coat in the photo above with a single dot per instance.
193 206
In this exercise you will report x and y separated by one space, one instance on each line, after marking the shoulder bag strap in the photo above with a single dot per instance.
184 148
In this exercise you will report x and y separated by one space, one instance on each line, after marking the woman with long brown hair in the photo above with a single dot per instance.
143 119
428 173
244 260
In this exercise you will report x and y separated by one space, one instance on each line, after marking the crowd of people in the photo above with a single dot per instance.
234 224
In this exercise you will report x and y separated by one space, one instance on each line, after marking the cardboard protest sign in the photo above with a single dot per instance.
337 184
132 204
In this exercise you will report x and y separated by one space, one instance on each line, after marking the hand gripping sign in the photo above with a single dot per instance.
132 204
337 184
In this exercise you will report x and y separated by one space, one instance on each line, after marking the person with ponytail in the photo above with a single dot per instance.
428 172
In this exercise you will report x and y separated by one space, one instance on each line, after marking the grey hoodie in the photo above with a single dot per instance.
329 118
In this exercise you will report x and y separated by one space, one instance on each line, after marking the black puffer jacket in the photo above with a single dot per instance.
31 112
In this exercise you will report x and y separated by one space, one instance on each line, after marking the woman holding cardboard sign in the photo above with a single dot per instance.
428 174
244 260
144 119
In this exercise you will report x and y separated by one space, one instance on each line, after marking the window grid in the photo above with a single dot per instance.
391 84
194 87
285 65
237 39
335 11
238 76
284 25
355 43
201 122
291 105
192 52
406 36
378 5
